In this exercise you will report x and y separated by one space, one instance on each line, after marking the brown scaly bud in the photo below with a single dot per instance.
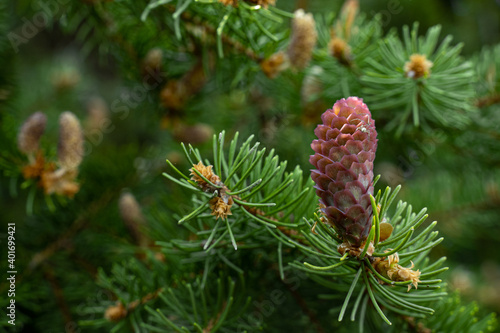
418 66
221 206
28 139
275 64
302 39
116 312
391 269
340 50
70 146
205 171
131 214
343 159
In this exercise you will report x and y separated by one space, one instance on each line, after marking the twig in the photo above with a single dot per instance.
131 306
486 101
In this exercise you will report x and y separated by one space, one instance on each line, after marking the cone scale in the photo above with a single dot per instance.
343 159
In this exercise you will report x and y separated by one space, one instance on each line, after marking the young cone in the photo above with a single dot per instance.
302 40
131 214
343 158
29 135
70 147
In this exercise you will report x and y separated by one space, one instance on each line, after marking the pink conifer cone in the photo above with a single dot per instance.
343 158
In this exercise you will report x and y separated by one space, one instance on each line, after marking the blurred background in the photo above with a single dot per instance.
74 63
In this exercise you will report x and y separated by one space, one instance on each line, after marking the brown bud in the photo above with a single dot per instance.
385 231
418 66
275 64
221 207
207 172
70 147
302 39
115 312
390 268
340 50
29 135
